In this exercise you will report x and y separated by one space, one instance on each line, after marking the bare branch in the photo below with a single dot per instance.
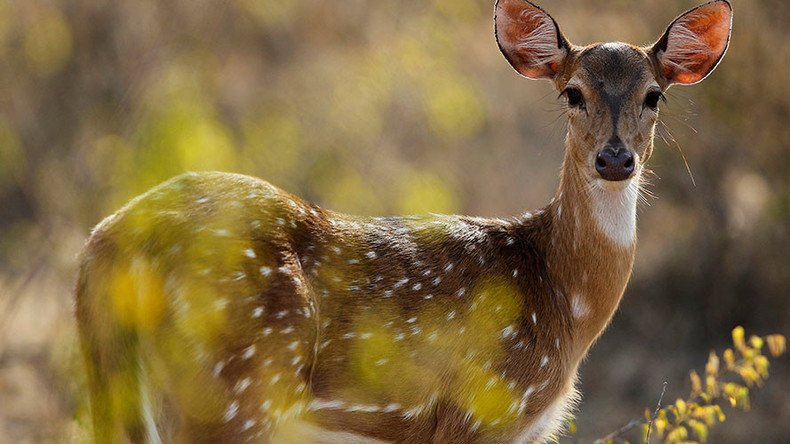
655 413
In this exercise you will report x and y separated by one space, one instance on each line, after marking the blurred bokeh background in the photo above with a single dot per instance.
383 107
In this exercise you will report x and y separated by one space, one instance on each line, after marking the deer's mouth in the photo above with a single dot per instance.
616 185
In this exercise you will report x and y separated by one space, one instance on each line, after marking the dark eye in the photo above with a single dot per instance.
652 98
575 98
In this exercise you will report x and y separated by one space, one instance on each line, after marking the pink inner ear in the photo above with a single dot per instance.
696 42
528 38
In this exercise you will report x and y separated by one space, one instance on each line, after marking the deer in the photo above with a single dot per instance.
218 308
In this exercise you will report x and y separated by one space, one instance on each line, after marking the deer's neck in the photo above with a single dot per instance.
591 250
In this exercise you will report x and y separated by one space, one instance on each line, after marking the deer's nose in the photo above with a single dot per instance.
615 163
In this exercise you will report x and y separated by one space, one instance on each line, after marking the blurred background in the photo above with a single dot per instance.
385 107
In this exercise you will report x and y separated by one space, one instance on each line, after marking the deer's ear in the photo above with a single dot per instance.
529 38
694 43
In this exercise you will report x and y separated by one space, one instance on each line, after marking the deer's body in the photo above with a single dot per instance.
216 307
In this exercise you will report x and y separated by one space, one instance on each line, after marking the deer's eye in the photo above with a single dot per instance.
575 97
652 98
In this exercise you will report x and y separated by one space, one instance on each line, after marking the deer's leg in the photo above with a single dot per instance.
247 376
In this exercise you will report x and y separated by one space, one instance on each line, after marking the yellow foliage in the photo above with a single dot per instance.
737 337
384 367
197 393
137 296
273 141
351 193
729 359
678 434
696 383
712 367
680 405
423 193
125 396
693 417
271 12
453 109
496 303
485 395
699 429
458 9
201 318
777 344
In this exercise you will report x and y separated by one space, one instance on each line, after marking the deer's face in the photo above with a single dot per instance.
612 95
612 90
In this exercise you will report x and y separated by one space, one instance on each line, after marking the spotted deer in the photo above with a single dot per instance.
218 308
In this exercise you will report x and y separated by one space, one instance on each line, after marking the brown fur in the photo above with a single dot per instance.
216 307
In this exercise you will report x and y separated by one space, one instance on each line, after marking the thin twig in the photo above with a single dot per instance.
635 423
621 431
655 413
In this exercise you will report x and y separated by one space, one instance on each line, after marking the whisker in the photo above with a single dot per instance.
680 150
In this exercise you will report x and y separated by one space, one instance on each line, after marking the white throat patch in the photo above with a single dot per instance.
615 211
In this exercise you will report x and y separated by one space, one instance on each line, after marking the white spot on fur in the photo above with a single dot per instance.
218 368
579 307
231 412
242 385
248 352
322 404
221 303
363 408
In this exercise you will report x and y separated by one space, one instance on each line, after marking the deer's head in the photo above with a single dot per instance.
612 90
